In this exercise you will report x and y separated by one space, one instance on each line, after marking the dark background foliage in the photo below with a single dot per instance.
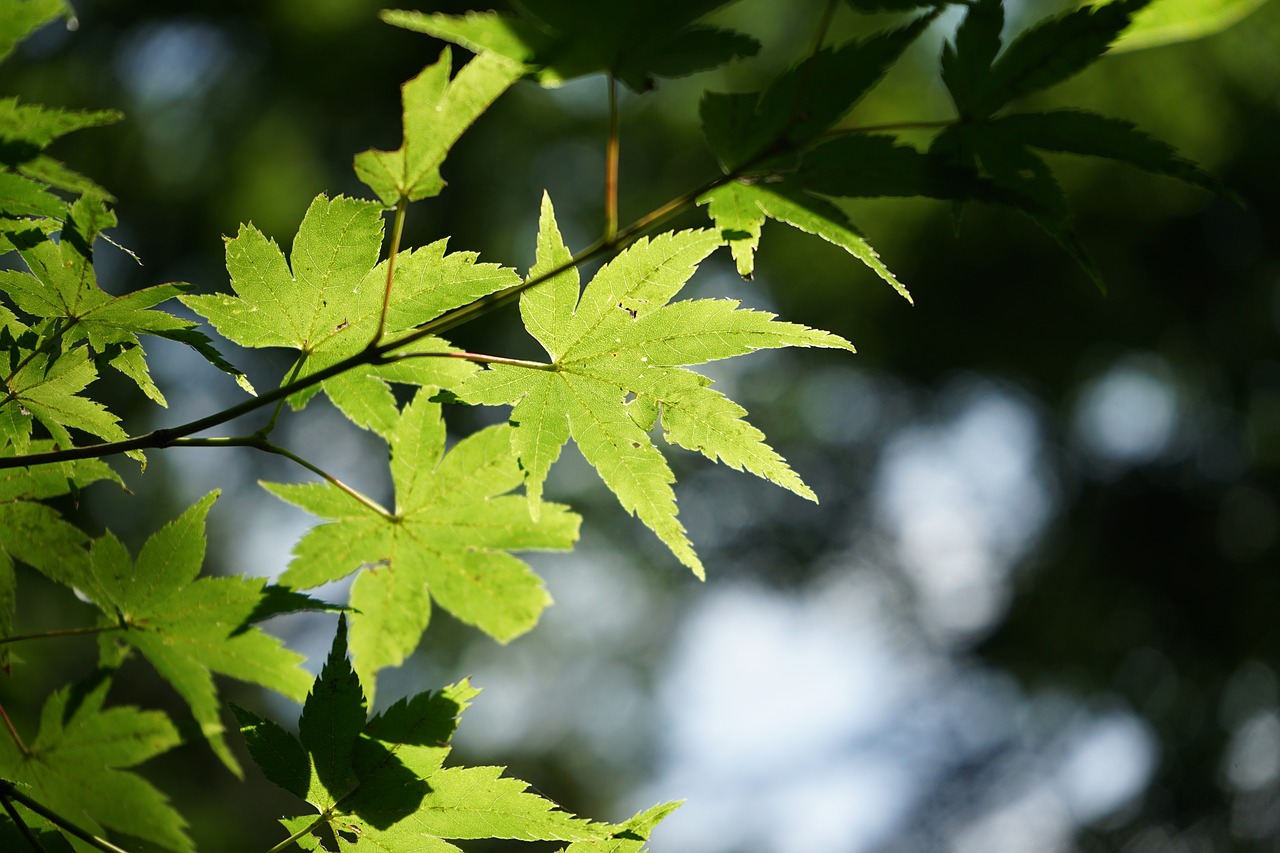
1144 586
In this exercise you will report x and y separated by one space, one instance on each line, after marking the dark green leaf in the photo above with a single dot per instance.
1052 51
802 102
636 40
1080 132
966 62
332 718
873 6
282 759
868 166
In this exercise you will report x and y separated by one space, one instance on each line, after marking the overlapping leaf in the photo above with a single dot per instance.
190 627
436 113
48 368
635 40
326 302
1003 150
448 541
35 533
617 368
380 784
78 767
762 133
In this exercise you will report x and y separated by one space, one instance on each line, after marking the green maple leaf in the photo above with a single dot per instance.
78 766
762 133
327 302
188 627
982 80
21 196
739 210
617 353
19 18
448 541
62 285
436 113
47 386
380 784
561 39
629 836
35 533
1005 150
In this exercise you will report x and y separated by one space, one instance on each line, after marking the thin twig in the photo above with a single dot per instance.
380 353
8 789
22 825
275 413
397 230
478 358
61 632
611 151
13 731
259 442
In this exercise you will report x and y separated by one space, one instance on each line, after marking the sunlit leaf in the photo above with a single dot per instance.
190 627
381 784
617 370
448 541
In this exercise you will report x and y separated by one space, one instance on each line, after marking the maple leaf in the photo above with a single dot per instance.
62 285
380 784
77 766
448 541
326 303
760 134
618 352
635 40
437 111
189 627
17 20
627 837
35 533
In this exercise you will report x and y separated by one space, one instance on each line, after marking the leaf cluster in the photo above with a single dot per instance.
367 323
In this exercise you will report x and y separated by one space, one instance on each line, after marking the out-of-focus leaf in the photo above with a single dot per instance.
78 767
1169 21
558 40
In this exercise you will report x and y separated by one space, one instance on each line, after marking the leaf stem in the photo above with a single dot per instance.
478 358
61 632
13 732
612 152
397 231
378 352
292 839
21 824
275 413
259 441
10 791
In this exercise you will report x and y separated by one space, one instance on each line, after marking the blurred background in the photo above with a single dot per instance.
1038 608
